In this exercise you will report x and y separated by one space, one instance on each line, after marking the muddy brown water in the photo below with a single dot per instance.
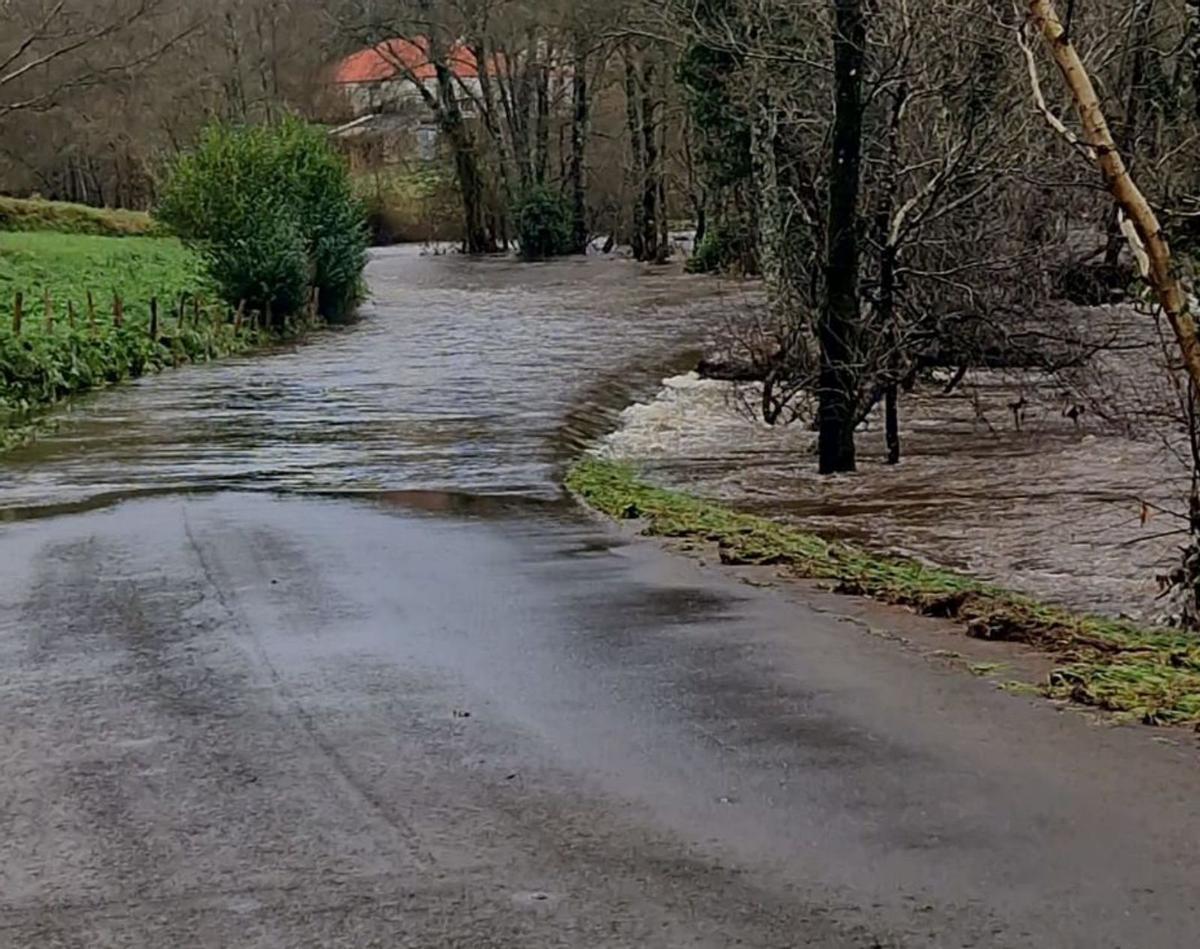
480 379
476 377
1077 514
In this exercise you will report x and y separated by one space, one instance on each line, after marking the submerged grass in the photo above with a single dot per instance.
1148 674
50 360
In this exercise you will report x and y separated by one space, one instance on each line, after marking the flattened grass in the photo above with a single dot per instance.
1148 674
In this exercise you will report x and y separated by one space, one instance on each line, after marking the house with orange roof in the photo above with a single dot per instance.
385 76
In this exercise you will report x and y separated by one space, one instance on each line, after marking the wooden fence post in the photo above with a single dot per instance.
91 301
266 322
118 310
18 312
48 305
71 314
154 318
237 317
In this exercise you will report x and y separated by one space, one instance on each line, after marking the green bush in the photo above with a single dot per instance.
543 223
723 250
272 211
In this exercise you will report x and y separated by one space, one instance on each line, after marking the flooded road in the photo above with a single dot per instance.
309 651
466 376
482 378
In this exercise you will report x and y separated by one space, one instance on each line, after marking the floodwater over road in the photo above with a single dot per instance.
309 652
465 376
484 377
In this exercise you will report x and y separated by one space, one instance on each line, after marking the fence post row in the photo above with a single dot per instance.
256 319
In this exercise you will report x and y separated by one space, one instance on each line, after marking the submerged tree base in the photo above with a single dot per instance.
1151 675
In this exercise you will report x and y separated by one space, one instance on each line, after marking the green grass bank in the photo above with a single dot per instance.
1145 674
21 214
62 344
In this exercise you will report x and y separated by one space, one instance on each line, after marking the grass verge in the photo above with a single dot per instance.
49 360
20 214
1151 675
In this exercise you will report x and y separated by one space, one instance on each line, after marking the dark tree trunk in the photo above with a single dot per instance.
478 238
889 251
491 121
892 423
839 323
1133 83
1193 50
637 154
650 184
577 170
542 134
660 168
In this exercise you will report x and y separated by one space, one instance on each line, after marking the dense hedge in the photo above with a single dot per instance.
543 223
272 211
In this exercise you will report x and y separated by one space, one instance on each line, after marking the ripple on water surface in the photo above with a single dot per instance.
464 375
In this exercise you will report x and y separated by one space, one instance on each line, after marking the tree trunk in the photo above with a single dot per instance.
650 210
542 128
770 234
478 238
637 164
1149 244
491 120
888 229
1133 84
892 423
1193 50
839 324
577 169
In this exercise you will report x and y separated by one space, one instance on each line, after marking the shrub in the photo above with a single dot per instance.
272 211
406 205
543 222
722 250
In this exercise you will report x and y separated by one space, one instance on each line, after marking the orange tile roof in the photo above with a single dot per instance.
390 59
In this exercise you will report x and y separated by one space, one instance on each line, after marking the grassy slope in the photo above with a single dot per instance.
1152 675
69 266
41 366
17 214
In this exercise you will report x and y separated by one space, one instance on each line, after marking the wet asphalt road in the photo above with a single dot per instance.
248 721
312 659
